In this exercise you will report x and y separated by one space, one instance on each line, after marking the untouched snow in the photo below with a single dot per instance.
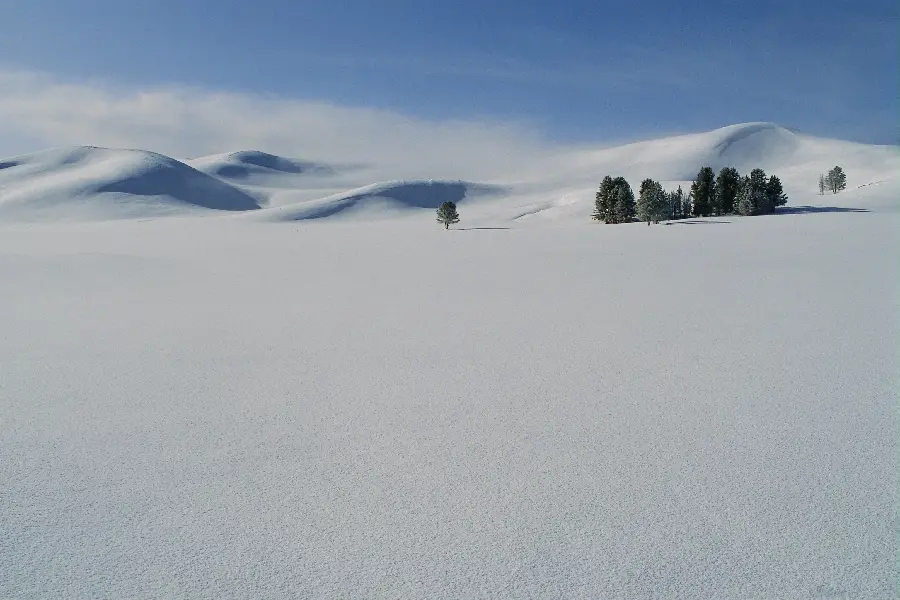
533 407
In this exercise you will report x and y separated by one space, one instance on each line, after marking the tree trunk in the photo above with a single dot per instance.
446 225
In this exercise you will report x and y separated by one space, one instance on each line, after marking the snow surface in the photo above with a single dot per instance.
522 407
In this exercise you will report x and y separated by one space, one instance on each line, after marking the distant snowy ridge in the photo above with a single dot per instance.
88 183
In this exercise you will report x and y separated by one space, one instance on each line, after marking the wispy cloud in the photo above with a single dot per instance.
186 122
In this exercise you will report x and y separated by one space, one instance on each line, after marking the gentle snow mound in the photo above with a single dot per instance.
388 197
246 163
90 183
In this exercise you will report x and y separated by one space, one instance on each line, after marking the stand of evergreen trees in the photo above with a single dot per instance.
710 195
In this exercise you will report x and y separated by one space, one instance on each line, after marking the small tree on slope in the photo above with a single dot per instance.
447 214
836 180
821 184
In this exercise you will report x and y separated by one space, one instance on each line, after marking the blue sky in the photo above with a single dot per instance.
577 71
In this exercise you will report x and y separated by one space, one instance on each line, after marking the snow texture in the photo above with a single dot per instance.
536 407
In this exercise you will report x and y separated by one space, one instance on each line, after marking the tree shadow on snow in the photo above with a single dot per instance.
805 210
692 222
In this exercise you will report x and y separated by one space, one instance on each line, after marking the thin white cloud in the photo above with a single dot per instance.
192 122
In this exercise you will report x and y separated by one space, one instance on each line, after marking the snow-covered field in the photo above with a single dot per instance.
206 404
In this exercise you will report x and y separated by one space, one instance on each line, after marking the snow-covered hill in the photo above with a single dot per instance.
566 192
246 165
89 183
94 183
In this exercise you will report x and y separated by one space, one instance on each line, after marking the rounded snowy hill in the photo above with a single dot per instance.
246 165
744 146
91 183
796 158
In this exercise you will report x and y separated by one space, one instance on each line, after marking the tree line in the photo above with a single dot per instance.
710 195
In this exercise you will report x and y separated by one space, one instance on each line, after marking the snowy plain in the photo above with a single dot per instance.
358 404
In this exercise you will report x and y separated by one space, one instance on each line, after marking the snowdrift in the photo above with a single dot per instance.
89 183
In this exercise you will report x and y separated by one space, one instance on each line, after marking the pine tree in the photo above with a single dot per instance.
727 184
836 180
614 201
659 207
775 192
625 207
447 214
604 201
676 199
703 192
821 184
759 192
752 198
686 204
743 205
647 199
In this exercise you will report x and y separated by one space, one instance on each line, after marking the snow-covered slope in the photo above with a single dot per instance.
90 183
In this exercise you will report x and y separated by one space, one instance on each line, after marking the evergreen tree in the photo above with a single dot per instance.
703 192
676 199
759 192
836 180
752 198
625 208
727 184
604 201
614 201
821 184
686 204
743 202
647 199
659 206
775 192
447 214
